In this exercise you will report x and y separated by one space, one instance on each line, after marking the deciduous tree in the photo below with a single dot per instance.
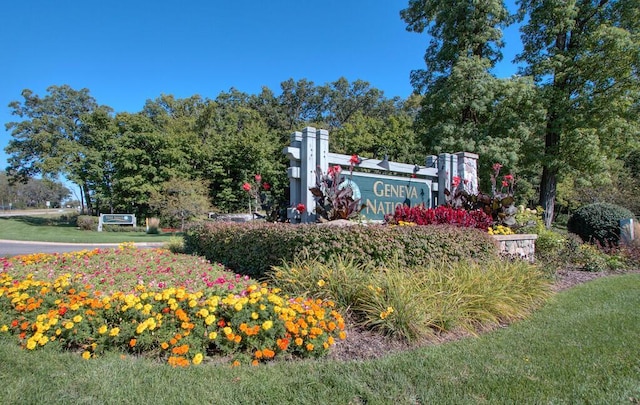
585 58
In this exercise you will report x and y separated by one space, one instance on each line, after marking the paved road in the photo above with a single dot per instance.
13 248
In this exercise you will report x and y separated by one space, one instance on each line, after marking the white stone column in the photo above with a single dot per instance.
468 171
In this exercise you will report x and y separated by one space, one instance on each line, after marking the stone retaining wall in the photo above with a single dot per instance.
520 246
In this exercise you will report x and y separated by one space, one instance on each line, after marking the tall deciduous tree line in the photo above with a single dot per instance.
567 125
122 161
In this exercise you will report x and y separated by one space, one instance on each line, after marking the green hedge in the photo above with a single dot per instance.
598 222
252 248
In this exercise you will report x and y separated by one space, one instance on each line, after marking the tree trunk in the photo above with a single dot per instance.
548 194
551 159
87 197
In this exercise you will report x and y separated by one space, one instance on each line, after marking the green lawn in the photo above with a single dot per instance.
581 347
48 228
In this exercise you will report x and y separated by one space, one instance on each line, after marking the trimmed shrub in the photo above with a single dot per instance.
121 228
598 222
88 223
253 248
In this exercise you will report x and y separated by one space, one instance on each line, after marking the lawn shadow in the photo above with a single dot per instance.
60 221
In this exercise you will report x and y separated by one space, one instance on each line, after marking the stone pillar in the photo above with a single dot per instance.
468 171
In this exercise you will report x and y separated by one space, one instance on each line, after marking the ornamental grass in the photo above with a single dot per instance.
181 313
416 303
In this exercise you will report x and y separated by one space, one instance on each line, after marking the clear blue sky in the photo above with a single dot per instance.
127 52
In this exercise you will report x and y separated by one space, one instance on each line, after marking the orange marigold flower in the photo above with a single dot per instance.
255 362
133 342
282 344
310 347
258 354
180 349
268 353
298 341
235 363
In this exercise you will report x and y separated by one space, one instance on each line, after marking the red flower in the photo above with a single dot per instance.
508 177
258 178
301 208
266 186
334 170
505 184
62 311
456 181
246 186
355 160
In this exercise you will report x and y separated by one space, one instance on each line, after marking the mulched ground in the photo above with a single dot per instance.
362 345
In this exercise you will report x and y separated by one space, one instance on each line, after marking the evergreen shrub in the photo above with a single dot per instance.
253 248
599 222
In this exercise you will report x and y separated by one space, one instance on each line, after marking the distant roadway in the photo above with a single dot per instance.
14 247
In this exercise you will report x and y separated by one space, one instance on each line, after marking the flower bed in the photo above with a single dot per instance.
205 312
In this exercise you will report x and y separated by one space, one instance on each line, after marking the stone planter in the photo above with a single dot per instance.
518 246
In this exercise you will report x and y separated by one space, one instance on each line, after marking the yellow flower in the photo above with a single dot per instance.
102 330
266 325
254 315
197 359
86 355
31 344
114 332
213 335
321 283
210 319
238 306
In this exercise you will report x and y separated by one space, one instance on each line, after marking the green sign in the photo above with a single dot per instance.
118 219
382 194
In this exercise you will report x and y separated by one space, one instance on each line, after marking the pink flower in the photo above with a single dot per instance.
505 184
266 186
355 160
456 181
301 208
258 178
334 171
497 167
246 187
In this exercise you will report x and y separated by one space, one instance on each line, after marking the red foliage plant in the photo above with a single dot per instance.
420 215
